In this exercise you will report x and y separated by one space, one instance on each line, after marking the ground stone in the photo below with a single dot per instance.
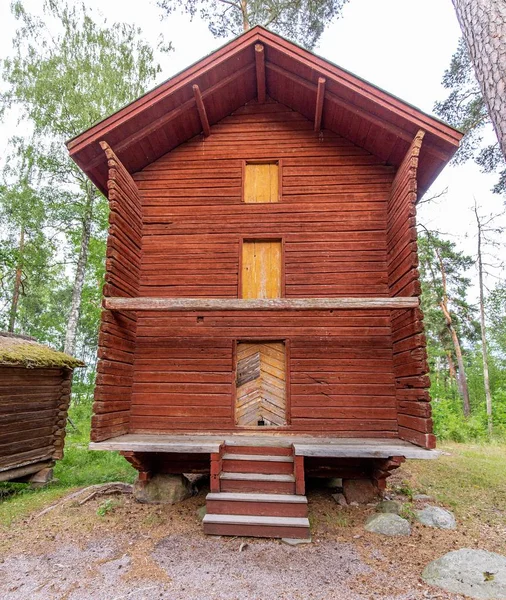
362 491
388 506
296 541
435 516
474 573
163 489
201 512
388 524
422 497
340 499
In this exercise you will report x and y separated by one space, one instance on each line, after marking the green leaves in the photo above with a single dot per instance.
465 109
302 21
67 70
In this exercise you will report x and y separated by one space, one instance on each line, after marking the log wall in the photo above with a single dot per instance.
409 344
33 414
118 329
332 220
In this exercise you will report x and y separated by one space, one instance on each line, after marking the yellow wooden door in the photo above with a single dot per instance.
261 182
261 269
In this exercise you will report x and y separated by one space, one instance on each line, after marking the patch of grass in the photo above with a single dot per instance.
80 467
470 478
106 507
337 519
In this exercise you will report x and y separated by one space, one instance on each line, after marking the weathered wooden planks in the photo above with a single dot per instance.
118 330
33 413
409 354
215 304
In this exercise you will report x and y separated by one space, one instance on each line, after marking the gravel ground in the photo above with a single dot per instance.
137 552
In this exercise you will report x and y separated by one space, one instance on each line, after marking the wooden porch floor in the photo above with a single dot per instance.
304 445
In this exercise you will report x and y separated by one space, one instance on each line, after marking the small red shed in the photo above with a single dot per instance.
261 314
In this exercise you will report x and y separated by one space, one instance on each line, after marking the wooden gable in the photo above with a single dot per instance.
256 65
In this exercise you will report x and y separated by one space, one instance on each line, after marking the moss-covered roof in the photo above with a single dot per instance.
24 351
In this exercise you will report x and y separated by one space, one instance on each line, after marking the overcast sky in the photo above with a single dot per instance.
402 46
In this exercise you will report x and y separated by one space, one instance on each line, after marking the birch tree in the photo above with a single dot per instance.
66 73
487 233
483 24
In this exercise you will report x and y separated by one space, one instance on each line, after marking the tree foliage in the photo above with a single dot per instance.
465 108
302 21
67 70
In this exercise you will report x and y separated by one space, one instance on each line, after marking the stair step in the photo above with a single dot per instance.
257 463
258 477
257 482
252 497
257 526
286 450
273 505
258 457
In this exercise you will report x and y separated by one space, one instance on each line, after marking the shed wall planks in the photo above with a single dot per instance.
33 414
332 219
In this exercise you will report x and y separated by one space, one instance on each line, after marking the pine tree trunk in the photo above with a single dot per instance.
17 282
462 379
484 351
244 11
77 290
451 366
483 23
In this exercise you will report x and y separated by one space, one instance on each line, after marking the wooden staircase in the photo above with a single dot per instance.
257 492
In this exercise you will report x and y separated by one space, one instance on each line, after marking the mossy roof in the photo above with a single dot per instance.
24 351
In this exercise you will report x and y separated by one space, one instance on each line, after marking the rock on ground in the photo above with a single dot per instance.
340 499
361 491
435 516
388 524
475 573
163 489
388 506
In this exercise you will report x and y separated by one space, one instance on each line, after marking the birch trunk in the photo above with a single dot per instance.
82 261
484 351
18 278
483 23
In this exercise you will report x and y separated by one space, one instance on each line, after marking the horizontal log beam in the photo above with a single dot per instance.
199 304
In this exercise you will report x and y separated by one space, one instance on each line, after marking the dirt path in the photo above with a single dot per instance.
139 552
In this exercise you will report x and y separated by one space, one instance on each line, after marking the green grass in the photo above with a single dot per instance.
471 478
80 467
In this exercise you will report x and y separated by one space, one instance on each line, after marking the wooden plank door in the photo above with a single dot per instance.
261 182
261 366
261 269
261 384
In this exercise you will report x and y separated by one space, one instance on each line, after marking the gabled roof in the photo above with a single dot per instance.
167 116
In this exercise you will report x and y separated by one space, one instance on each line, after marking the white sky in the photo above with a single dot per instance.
403 46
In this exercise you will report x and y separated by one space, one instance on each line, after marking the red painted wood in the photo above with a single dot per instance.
261 509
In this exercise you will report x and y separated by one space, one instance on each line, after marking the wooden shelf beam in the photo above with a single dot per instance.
202 304
260 70
320 97
204 121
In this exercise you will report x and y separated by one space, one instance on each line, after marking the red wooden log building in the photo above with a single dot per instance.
261 315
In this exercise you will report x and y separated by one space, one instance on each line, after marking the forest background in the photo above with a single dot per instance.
65 66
